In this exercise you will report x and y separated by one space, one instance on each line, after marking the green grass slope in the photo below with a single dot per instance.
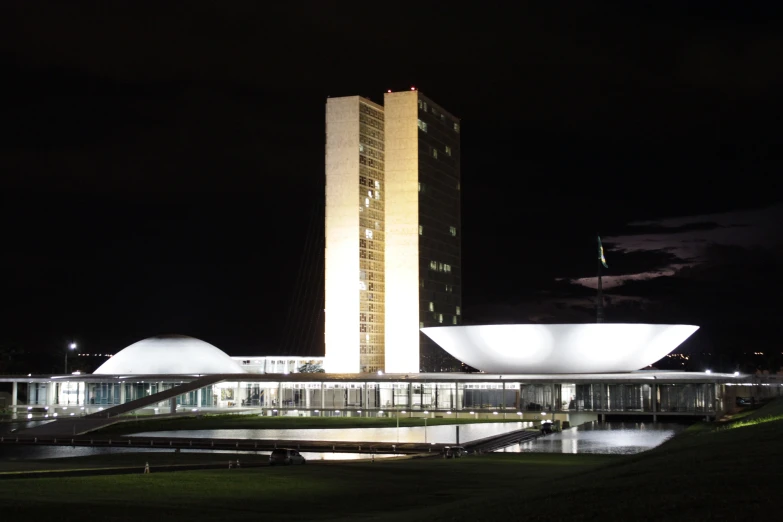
718 472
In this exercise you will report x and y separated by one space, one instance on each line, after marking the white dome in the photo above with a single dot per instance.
560 348
169 354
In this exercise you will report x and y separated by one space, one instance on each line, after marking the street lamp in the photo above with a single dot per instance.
398 425
71 346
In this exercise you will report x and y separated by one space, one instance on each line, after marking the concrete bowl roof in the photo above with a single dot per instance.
169 354
560 348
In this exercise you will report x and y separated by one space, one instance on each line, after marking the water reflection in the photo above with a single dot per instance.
438 434
7 428
16 453
619 438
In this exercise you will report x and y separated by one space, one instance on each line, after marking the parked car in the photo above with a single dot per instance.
454 452
285 457
743 401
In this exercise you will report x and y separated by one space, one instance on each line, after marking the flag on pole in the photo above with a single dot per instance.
601 253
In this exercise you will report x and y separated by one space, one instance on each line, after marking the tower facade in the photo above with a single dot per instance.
400 236
423 241
354 257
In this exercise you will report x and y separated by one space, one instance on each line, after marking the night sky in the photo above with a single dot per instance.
162 167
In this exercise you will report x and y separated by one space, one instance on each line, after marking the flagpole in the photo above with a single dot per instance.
599 310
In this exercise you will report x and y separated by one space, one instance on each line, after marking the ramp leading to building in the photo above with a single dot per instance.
157 397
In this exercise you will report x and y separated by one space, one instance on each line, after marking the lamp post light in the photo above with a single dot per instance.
398 425
71 346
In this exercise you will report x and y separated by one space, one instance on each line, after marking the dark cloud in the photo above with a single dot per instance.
676 246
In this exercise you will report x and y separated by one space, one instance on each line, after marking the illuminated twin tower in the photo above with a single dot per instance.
392 232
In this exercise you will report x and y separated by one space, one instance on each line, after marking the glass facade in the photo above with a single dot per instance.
371 238
440 266
330 397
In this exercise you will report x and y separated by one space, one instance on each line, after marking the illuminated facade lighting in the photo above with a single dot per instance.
381 244
560 348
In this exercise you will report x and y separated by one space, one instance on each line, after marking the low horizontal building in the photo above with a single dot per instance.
211 381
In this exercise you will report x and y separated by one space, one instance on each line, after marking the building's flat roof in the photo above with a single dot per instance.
642 376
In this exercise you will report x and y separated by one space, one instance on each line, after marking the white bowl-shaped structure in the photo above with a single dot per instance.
560 348
169 354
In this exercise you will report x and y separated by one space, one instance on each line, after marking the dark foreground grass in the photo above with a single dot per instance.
130 459
312 492
704 474
214 422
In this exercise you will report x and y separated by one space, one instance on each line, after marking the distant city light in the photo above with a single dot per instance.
413 88
72 346
708 371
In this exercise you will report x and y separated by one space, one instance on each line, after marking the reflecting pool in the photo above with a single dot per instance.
444 434
15 453
619 438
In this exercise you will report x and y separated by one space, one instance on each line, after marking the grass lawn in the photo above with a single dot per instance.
702 474
130 459
213 422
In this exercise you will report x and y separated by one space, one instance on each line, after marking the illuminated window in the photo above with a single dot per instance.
454 320
377 194
369 193
432 306
459 311
453 231
421 325
440 267
421 230
448 150
366 202
422 126
433 265
440 318
458 185
421 104
368 233
456 127
377 184
448 288
361 148
447 268
435 153
425 106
